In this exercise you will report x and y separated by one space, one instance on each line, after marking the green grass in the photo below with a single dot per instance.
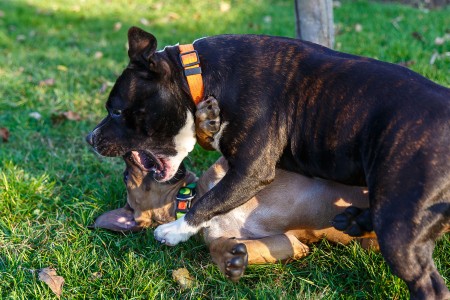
52 186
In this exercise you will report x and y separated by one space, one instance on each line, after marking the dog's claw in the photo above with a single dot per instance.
239 249
341 222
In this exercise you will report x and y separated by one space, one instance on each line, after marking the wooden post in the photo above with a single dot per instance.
314 21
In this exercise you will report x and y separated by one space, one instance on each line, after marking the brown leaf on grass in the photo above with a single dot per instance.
439 41
225 7
21 38
172 16
183 278
4 134
418 36
47 82
103 88
68 115
407 63
72 116
117 26
54 282
62 68
98 54
35 115
96 275
144 21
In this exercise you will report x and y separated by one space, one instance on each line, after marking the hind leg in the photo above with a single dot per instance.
407 243
233 255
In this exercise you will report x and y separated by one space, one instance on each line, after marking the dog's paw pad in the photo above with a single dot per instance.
353 221
208 116
235 266
341 222
237 262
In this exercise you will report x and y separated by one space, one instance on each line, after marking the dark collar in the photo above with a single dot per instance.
184 198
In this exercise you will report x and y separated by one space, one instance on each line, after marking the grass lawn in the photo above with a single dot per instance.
63 55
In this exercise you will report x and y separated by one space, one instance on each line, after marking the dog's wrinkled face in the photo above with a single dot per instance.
147 112
151 201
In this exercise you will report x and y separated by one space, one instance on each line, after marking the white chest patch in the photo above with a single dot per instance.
184 143
185 139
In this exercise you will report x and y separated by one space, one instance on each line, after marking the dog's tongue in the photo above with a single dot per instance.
143 160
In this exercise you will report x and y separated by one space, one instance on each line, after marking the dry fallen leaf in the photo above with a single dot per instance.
68 115
117 26
98 54
144 21
267 19
439 41
62 68
47 82
172 16
55 282
433 58
4 134
35 115
407 63
157 6
103 87
225 7
96 275
183 278
418 36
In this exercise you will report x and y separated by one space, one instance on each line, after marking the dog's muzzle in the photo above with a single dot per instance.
90 139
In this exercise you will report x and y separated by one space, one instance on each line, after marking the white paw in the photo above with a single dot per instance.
175 232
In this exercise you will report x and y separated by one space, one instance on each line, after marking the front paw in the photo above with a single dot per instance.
208 116
174 232
207 121
354 221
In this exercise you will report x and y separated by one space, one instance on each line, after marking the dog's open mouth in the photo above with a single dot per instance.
148 162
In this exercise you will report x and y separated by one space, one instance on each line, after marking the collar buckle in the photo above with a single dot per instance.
190 64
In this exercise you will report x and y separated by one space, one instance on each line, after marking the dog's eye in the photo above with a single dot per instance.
116 112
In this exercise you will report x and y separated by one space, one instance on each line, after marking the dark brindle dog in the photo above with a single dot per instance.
304 108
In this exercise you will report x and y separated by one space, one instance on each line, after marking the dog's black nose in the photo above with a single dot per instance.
90 139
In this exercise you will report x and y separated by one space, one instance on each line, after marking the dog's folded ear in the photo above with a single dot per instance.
141 44
142 47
